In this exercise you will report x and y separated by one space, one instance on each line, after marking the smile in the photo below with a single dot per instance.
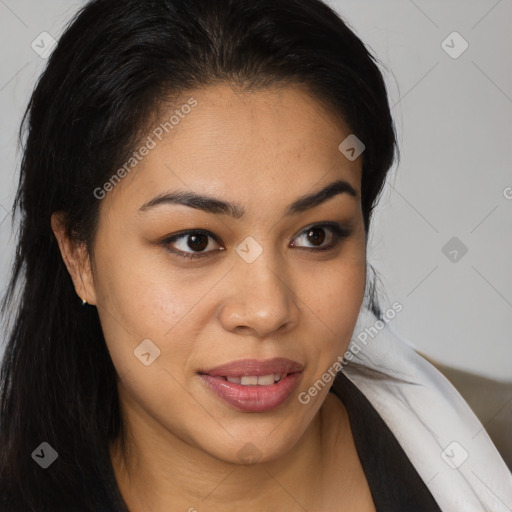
254 386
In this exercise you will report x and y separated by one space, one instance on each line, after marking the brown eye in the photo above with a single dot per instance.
316 235
197 242
190 244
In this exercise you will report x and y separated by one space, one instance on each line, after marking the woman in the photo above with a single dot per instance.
148 371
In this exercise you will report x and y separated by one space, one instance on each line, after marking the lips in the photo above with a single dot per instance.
252 385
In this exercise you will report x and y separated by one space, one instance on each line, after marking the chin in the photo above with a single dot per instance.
251 448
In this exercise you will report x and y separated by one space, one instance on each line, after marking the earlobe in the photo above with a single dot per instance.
76 258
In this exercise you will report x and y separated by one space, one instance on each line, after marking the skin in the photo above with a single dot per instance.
263 150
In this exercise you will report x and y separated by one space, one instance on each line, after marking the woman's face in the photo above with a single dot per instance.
256 286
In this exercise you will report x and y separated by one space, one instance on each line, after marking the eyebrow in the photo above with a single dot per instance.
218 206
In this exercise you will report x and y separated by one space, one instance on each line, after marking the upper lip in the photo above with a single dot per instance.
255 367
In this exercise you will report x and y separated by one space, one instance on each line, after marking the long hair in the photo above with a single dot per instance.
116 65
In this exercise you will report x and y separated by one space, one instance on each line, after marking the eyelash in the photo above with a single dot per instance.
339 234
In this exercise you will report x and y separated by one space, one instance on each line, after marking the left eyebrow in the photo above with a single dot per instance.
218 206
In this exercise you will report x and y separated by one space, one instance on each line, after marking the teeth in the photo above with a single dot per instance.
249 380
266 380
254 380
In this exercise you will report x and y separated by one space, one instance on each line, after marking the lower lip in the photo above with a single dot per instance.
253 398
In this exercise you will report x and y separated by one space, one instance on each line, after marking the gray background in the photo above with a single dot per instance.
454 179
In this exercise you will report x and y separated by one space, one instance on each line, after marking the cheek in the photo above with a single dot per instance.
338 288
337 291
333 302
143 285
139 298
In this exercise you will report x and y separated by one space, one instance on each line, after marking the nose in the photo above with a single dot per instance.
261 301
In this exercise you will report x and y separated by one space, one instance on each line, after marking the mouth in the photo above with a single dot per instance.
250 385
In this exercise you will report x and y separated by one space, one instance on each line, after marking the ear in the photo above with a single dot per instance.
76 259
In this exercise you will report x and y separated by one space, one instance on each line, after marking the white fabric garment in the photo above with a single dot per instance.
427 415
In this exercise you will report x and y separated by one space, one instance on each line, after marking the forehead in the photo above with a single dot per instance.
251 145
278 119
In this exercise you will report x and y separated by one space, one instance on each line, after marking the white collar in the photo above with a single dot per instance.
432 422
